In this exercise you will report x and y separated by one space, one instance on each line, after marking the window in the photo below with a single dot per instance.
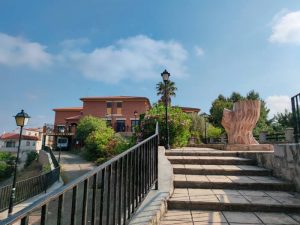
27 143
10 144
134 123
109 108
33 143
119 108
60 128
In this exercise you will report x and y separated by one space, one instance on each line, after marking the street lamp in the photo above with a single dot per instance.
205 130
165 76
21 120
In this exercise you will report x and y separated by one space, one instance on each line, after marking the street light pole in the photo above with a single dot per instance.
205 127
21 120
165 75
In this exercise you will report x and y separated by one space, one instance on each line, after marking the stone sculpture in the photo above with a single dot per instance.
240 122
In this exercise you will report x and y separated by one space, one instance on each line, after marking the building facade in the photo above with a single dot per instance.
121 113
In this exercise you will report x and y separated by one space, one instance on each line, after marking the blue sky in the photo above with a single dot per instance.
54 52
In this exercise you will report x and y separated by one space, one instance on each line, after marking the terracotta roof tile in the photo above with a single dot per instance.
14 136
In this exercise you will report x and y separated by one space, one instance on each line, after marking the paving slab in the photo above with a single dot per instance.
224 199
201 217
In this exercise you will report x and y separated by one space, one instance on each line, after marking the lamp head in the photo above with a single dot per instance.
22 118
165 75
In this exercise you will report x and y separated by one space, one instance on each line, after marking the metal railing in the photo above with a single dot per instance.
31 187
296 116
109 194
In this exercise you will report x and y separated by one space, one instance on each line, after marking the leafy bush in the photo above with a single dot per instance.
179 125
88 125
46 168
7 161
100 141
214 132
31 156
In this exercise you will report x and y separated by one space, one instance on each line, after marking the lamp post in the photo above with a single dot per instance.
205 128
165 75
21 120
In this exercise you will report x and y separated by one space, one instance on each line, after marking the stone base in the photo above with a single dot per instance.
241 147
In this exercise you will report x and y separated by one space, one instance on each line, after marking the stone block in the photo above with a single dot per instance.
279 151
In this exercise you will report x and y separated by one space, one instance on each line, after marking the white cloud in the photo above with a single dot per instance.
277 104
74 43
286 28
16 51
134 58
199 51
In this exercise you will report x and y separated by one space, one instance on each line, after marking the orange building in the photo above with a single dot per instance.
121 112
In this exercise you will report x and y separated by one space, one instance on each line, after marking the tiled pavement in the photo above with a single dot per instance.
217 187
196 217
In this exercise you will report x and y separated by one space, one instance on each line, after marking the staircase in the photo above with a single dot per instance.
220 182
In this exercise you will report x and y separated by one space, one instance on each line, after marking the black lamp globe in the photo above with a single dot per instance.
165 75
22 118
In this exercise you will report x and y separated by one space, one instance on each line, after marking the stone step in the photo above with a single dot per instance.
231 182
202 217
234 200
210 160
197 152
245 170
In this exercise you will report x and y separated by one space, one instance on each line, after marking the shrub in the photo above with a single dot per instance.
46 168
7 161
213 132
179 125
31 156
88 125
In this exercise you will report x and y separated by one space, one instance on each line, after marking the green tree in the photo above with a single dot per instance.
197 127
216 110
179 125
169 91
282 121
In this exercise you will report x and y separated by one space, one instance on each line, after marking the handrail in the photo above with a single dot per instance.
140 160
36 185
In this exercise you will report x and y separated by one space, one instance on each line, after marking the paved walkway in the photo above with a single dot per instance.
73 166
217 187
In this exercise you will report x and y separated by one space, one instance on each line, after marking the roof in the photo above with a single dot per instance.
188 109
68 109
14 136
33 129
114 98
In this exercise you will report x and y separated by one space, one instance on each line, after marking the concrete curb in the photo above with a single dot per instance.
155 204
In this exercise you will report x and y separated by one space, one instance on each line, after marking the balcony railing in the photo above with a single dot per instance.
109 194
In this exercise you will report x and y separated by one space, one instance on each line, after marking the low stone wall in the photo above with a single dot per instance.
284 161
45 158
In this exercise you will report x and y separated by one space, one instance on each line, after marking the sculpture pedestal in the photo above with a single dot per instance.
243 147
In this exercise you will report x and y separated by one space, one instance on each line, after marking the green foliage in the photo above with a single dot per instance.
100 141
31 156
214 132
46 168
216 110
281 121
179 125
197 127
169 91
222 102
88 125
7 161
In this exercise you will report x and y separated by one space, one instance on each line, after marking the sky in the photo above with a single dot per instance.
54 52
